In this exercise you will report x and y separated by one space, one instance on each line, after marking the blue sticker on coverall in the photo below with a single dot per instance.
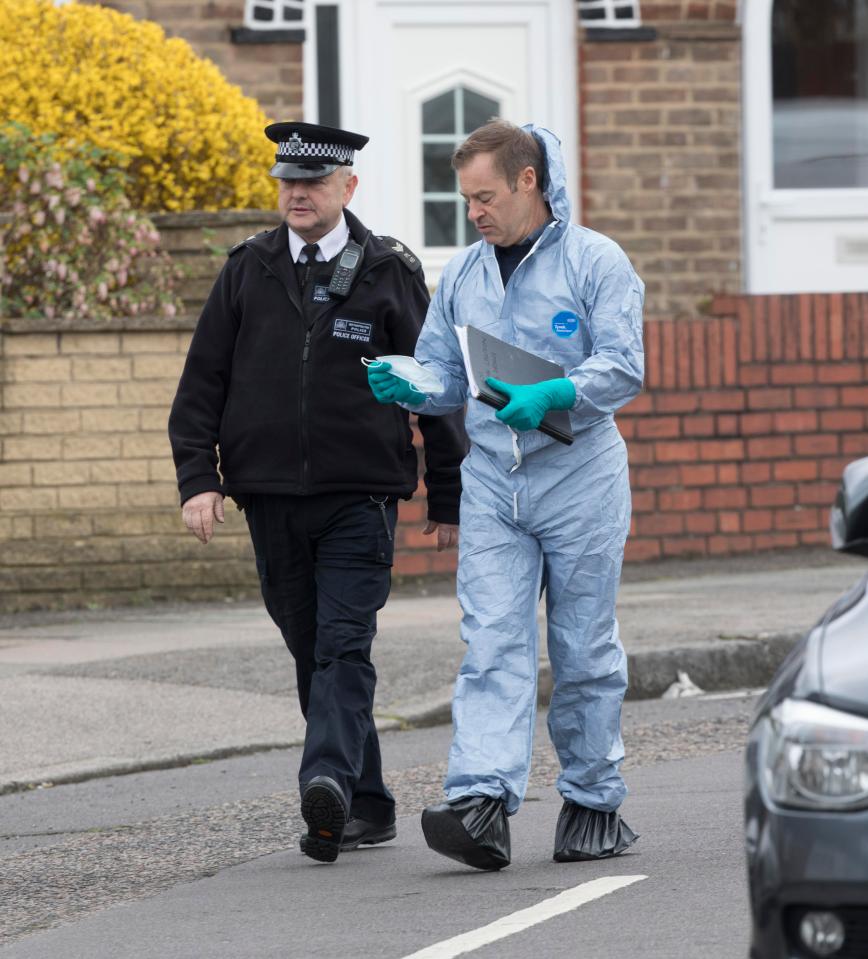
565 323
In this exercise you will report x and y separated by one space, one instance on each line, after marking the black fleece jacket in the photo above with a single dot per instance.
281 392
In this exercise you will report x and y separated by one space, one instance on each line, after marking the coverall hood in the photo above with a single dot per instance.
555 183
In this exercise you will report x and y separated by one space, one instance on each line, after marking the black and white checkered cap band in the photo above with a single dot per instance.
295 150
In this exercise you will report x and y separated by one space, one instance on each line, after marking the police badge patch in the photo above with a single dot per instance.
356 330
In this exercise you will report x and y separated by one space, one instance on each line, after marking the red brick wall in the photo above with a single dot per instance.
746 422
738 441
415 553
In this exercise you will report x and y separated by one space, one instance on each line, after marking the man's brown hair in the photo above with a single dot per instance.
512 150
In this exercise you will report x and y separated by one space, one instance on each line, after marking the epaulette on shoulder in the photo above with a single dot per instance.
405 255
243 243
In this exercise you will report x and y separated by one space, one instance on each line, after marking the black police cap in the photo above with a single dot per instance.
307 150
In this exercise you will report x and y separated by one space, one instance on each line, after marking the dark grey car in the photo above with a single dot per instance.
806 804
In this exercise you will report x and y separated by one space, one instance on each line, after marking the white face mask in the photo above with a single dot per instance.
406 368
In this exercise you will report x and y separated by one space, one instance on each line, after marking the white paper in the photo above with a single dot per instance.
461 333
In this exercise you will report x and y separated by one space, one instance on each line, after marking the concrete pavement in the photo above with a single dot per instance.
100 693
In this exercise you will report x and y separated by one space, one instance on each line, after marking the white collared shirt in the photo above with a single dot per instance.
330 245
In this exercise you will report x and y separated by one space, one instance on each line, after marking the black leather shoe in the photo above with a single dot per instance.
324 809
582 834
362 832
473 830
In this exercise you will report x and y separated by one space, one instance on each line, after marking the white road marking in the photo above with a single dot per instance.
735 693
525 918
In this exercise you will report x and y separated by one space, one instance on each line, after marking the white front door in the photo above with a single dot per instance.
805 83
418 75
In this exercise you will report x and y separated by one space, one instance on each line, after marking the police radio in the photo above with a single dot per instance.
348 265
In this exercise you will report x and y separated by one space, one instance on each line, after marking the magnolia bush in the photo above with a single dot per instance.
187 137
75 247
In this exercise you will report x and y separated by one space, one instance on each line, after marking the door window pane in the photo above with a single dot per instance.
437 173
820 90
440 224
438 114
477 110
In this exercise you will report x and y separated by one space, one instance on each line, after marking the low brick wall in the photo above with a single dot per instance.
747 420
88 502
736 445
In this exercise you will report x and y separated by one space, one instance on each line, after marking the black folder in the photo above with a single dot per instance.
486 355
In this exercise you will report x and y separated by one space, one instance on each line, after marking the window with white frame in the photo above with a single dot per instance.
609 13
446 121
273 14
820 94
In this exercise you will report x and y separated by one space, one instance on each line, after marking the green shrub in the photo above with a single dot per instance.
75 247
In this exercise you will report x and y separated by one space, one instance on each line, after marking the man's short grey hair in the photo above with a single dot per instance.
512 150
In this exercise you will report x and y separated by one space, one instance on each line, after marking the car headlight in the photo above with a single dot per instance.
816 757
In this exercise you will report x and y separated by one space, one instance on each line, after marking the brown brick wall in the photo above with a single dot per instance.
88 502
657 12
269 72
747 420
660 132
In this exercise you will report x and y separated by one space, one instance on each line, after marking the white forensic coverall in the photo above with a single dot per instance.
536 513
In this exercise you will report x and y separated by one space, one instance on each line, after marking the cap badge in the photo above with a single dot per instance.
294 145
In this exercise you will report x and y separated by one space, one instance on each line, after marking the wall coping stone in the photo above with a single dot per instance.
216 218
182 322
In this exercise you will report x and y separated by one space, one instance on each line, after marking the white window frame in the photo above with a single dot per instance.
279 22
609 19
764 206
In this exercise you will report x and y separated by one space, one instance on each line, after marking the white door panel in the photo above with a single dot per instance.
405 52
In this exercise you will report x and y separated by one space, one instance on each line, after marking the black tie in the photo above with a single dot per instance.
310 250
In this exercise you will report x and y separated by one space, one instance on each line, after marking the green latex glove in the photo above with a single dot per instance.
388 388
529 404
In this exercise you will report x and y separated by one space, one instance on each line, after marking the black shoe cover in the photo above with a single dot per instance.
473 830
584 833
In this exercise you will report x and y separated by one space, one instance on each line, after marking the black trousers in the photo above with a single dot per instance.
325 565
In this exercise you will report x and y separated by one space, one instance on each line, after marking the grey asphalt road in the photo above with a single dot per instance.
202 861
94 694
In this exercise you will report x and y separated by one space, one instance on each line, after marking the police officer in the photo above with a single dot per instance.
274 381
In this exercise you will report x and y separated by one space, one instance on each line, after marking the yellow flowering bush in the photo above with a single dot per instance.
187 138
